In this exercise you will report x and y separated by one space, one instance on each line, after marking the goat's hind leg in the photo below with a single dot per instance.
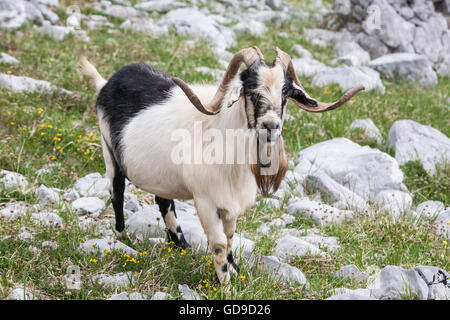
173 229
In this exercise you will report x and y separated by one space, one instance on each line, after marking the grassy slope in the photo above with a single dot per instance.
32 124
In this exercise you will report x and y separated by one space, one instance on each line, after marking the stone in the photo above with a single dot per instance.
97 22
334 192
394 201
123 12
217 74
14 210
7 59
128 296
281 271
92 206
93 185
47 195
187 293
20 293
321 214
394 283
25 235
413 141
70 195
147 223
307 67
442 223
324 38
369 129
101 246
50 245
12 14
29 85
301 52
406 66
12 180
350 296
289 247
161 296
160 5
252 27
342 7
351 272
437 281
363 170
47 218
430 209
62 32
118 280
145 25
350 53
322 242
348 77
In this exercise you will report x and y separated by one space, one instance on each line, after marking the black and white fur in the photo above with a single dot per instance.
139 108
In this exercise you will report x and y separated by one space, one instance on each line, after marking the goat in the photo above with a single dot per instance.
139 108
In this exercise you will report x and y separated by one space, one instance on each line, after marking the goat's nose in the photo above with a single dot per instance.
271 125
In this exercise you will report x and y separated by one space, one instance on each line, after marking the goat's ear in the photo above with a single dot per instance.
298 94
234 92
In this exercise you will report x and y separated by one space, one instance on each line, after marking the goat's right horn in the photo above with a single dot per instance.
247 56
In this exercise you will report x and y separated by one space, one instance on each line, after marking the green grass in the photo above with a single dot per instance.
42 130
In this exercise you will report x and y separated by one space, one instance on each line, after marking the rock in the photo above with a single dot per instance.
334 192
24 235
252 27
271 203
145 25
193 23
7 59
161 296
307 67
147 223
12 14
12 180
20 293
242 246
289 246
324 38
350 53
70 195
47 195
394 283
61 32
322 214
363 170
430 209
394 201
350 296
47 218
281 271
436 279
348 77
118 280
29 85
187 293
14 210
131 202
103 245
160 5
97 22
49 244
351 272
328 243
118 11
369 128
342 7
217 74
93 185
128 296
301 52
92 206
413 141
406 66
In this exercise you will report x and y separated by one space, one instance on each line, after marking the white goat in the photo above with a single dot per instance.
140 108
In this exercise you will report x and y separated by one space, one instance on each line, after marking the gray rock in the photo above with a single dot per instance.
322 242
161 296
394 201
12 180
7 59
29 85
350 53
413 141
442 223
324 38
128 296
25 235
145 25
302 52
393 283
14 210
252 27
351 272
147 223
97 22
348 77
160 5
49 244
92 206
406 66
106 244
335 192
118 280
70 195
47 218
187 293
47 195
12 14
216 73
281 271
20 293
307 67
61 32
322 214
363 170
123 12
430 209
289 246
369 128
93 185
350 296
342 7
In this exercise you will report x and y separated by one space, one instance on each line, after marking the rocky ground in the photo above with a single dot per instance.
361 214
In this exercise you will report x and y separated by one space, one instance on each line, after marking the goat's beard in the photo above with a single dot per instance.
269 183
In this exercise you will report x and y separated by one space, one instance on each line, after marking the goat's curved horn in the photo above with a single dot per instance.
314 105
247 56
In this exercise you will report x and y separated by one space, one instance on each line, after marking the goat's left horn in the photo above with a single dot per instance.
247 56
313 105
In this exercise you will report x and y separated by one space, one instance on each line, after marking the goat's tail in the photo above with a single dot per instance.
87 69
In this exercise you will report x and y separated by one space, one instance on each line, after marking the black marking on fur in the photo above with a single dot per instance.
118 188
178 237
225 268
297 94
230 260
130 90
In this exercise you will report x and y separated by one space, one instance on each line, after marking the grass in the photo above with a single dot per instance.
60 133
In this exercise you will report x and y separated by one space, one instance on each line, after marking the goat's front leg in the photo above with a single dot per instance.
213 227
229 228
